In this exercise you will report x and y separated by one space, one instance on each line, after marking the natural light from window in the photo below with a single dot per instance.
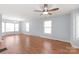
10 27
27 27
17 27
3 27
47 26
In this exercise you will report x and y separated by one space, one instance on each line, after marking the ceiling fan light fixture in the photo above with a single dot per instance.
45 13
45 8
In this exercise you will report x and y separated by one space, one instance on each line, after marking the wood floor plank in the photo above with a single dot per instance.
28 44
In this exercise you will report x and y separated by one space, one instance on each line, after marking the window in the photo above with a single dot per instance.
77 27
9 27
3 27
16 27
27 27
47 27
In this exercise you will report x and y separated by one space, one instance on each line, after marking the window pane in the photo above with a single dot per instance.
9 27
47 30
27 27
16 27
3 27
47 24
47 27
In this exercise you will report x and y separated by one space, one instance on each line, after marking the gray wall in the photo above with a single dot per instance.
60 27
74 41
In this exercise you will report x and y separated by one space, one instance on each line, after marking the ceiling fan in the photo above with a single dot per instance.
46 11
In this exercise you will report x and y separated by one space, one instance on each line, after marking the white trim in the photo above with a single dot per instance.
48 37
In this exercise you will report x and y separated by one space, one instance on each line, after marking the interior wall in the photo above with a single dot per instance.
60 27
74 41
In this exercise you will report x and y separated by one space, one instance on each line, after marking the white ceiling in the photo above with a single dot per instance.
26 11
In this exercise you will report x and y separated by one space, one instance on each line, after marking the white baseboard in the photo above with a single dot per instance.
49 37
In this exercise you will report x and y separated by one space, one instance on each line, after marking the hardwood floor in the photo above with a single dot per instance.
25 44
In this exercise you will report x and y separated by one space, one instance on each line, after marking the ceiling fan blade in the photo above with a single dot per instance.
53 9
38 10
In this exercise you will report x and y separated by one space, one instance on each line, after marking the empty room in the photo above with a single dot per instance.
39 28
